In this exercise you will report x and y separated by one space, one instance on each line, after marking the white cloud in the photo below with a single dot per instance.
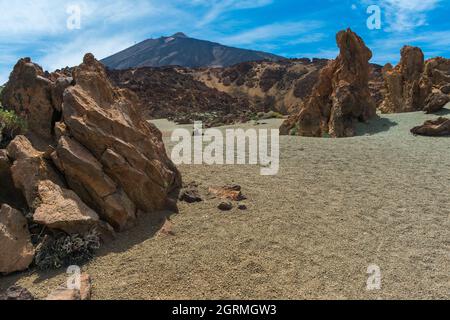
273 31
216 8
405 15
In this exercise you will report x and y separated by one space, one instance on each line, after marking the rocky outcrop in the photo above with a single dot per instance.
16 293
33 96
269 86
106 122
438 70
174 94
16 249
435 102
90 161
65 294
341 97
407 87
434 128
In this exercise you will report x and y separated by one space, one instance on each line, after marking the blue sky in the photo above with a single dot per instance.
293 28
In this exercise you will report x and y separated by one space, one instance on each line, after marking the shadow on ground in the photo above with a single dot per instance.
374 126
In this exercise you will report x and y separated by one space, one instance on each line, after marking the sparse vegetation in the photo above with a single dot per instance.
63 250
294 131
11 125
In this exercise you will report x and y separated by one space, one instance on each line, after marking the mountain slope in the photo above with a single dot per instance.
181 50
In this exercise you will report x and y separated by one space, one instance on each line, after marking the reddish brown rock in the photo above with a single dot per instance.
62 209
341 97
106 122
435 102
17 293
407 87
112 160
64 294
82 293
16 249
29 168
28 92
438 127
232 192
438 70
85 175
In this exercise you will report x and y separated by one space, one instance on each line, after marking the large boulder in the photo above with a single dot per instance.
433 128
62 209
407 86
85 175
435 102
28 92
29 168
438 70
341 97
16 249
8 192
105 121
90 160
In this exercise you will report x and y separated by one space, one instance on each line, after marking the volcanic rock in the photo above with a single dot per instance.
225 206
435 102
175 94
64 294
16 249
231 192
62 209
407 87
341 96
17 293
29 93
85 175
90 159
106 122
438 127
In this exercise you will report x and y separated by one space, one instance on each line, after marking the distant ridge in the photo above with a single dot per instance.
181 50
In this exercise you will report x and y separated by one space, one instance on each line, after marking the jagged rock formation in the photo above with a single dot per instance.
407 87
341 95
437 128
438 70
436 101
89 160
16 250
34 96
229 95
174 94
270 86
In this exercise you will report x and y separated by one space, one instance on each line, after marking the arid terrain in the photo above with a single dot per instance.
336 207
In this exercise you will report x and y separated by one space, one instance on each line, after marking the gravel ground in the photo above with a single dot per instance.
310 232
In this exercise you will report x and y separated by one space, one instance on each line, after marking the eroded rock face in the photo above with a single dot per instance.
16 249
62 209
90 159
435 102
433 128
29 168
29 93
407 87
105 121
85 175
341 97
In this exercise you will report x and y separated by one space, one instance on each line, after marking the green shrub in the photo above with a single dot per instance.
11 125
294 131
